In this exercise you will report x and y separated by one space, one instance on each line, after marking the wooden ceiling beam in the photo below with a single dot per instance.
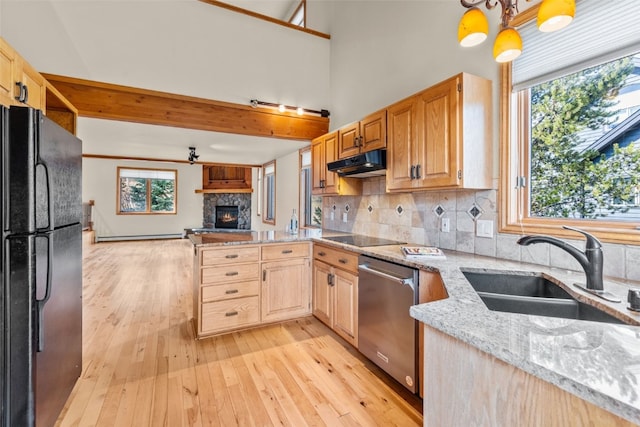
114 102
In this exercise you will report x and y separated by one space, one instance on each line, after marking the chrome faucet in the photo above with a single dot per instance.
591 259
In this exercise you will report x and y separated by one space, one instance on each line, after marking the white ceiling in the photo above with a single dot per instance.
165 142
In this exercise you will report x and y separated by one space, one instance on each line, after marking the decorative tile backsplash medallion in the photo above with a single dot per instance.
347 207
474 212
438 210
333 207
370 208
399 210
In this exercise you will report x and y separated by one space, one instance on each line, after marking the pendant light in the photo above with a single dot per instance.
473 28
554 15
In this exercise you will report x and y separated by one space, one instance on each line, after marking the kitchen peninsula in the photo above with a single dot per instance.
580 370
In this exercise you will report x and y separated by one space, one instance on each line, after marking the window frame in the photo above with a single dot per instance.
265 204
148 195
514 161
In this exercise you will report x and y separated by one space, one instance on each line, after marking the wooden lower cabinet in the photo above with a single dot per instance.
241 286
335 291
285 289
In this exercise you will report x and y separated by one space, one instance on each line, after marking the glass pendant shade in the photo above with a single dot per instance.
554 15
508 45
473 28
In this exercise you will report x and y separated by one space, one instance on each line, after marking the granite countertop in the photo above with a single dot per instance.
598 362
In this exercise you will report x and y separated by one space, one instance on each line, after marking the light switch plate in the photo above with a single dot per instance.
344 217
484 228
331 216
445 226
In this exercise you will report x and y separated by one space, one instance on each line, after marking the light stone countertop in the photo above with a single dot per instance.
598 362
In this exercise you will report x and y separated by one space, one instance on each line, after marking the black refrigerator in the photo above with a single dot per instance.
41 299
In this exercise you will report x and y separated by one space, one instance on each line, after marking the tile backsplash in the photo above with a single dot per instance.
418 218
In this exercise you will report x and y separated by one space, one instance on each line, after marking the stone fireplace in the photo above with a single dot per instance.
219 203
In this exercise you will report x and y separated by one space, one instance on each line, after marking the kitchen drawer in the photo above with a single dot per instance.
230 273
338 258
230 255
230 314
290 250
230 290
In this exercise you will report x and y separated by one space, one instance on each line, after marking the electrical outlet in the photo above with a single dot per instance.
332 216
484 228
445 226
344 217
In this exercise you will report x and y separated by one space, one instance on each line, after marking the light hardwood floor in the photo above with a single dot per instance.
143 367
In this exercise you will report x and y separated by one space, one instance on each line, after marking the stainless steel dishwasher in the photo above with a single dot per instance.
387 334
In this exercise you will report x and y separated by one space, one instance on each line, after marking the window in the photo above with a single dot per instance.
310 205
299 16
571 126
269 192
146 191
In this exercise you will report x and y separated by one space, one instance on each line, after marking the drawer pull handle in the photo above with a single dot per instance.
321 253
231 256
231 273
231 291
231 313
343 261
287 251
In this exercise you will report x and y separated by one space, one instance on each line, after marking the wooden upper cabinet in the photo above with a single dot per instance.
226 178
22 85
7 72
324 149
368 134
434 131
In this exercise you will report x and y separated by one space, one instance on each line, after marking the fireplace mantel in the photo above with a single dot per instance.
226 191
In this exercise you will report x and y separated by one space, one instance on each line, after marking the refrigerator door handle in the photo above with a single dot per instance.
40 303
50 207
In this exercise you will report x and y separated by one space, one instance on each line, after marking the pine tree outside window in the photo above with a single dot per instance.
146 191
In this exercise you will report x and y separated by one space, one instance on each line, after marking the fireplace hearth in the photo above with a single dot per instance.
226 217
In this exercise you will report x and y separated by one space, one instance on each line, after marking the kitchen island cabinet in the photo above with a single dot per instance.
239 286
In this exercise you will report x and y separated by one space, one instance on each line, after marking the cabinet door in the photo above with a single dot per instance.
285 289
317 166
348 143
373 131
400 150
322 293
330 155
7 72
345 314
35 86
437 151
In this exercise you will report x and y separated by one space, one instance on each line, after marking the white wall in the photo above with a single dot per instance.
99 183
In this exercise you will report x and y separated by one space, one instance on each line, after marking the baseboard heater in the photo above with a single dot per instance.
138 237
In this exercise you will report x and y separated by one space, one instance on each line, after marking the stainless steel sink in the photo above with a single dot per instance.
531 294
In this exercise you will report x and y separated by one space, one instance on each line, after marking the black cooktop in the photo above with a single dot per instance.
362 241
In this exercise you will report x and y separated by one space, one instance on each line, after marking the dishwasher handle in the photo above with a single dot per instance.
399 280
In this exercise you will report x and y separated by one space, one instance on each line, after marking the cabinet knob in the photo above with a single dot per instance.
343 261
321 253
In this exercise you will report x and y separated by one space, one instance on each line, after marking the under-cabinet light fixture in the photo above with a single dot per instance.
282 108
473 29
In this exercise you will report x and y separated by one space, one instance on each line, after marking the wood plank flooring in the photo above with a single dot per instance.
143 367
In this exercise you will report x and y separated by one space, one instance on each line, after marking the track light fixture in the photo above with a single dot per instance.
192 155
282 108
473 29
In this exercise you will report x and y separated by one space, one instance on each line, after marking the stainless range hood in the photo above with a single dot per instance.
371 163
